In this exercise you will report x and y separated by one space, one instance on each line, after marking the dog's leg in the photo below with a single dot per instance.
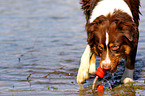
92 65
83 72
129 68
127 75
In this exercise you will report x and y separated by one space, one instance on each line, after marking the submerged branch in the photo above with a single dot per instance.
53 71
29 76
29 51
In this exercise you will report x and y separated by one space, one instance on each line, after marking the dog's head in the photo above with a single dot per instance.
111 39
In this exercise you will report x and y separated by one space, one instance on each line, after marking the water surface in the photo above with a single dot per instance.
41 37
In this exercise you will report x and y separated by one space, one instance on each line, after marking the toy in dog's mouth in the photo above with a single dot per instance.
100 73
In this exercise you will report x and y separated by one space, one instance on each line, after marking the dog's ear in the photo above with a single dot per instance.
93 28
129 32
90 28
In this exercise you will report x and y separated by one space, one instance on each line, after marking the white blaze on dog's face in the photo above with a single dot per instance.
107 60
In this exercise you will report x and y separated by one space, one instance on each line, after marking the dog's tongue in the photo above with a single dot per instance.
100 72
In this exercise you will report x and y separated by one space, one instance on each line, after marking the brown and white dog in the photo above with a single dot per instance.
112 30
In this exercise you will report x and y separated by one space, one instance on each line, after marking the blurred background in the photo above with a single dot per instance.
46 38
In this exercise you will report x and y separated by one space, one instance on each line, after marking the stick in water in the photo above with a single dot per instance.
94 83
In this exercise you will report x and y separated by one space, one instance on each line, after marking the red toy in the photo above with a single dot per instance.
100 72
100 88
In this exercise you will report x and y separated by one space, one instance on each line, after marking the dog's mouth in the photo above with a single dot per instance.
112 68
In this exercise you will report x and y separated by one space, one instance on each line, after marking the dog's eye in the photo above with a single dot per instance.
100 47
115 47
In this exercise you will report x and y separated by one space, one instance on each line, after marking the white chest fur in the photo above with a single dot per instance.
105 7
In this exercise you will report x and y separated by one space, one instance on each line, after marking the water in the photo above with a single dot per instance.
48 37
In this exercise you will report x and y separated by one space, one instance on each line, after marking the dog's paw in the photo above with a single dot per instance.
82 75
127 76
83 72
127 80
